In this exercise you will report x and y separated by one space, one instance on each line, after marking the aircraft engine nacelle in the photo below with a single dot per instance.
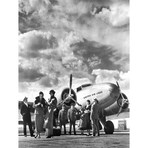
115 107
64 95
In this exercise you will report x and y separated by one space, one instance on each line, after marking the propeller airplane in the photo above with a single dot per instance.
112 101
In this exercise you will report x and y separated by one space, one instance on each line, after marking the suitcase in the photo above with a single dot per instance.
56 131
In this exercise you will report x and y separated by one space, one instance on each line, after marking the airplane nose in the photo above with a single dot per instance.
64 96
110 94
124 103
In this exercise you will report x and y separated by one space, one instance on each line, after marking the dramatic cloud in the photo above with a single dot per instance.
96 56
31 43
112 76
88 38
29 75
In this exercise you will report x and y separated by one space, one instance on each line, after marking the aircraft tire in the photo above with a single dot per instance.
109 129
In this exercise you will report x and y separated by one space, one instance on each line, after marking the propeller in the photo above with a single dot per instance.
123 102
70 85
70 95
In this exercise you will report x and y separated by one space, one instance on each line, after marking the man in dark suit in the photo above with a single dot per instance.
71 115
25 112
62 117
94 117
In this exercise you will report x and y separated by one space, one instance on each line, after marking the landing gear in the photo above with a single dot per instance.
109 127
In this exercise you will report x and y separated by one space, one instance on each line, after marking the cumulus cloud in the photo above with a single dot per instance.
96 55
104 75
117 15
49 81
73 54
64 36
29 75
109 27
31 43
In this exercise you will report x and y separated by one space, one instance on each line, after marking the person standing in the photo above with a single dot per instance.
25 112
94 117
52 104
81 121
71 115
62 117
40 105
87 114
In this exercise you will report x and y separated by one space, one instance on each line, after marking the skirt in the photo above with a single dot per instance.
39 123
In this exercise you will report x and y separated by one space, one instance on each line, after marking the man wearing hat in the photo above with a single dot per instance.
52 104
71 115
94 117
25 112
62 117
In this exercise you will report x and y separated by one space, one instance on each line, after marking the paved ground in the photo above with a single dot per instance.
117 140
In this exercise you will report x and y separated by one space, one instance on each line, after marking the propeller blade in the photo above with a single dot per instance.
118 84
70 81
123 99
70 96
119 111
70 84
124 103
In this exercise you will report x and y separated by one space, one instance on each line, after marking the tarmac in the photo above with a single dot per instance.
116 140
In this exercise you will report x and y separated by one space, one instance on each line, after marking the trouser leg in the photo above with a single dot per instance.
30 128
24 128
93 127
97 126
74 130
64 129
47 132
70 128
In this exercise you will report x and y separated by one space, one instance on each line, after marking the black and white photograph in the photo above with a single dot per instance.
73 74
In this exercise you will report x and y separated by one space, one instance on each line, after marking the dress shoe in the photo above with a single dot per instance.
35 136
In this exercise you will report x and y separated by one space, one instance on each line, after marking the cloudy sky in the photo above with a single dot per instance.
88 38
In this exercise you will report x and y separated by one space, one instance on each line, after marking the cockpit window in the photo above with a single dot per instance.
79 88
82 86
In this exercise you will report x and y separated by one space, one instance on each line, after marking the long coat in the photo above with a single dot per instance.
39 114
25 112
62 117
71 114
49 115
95 110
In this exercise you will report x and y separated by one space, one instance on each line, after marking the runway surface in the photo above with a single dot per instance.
117 140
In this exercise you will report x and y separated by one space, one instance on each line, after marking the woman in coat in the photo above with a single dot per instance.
40 108
85 122
52 104
87 114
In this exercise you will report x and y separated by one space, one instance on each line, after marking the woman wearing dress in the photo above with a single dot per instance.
52 104
40 108
87 113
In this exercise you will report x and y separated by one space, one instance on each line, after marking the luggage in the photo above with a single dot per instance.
56 131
